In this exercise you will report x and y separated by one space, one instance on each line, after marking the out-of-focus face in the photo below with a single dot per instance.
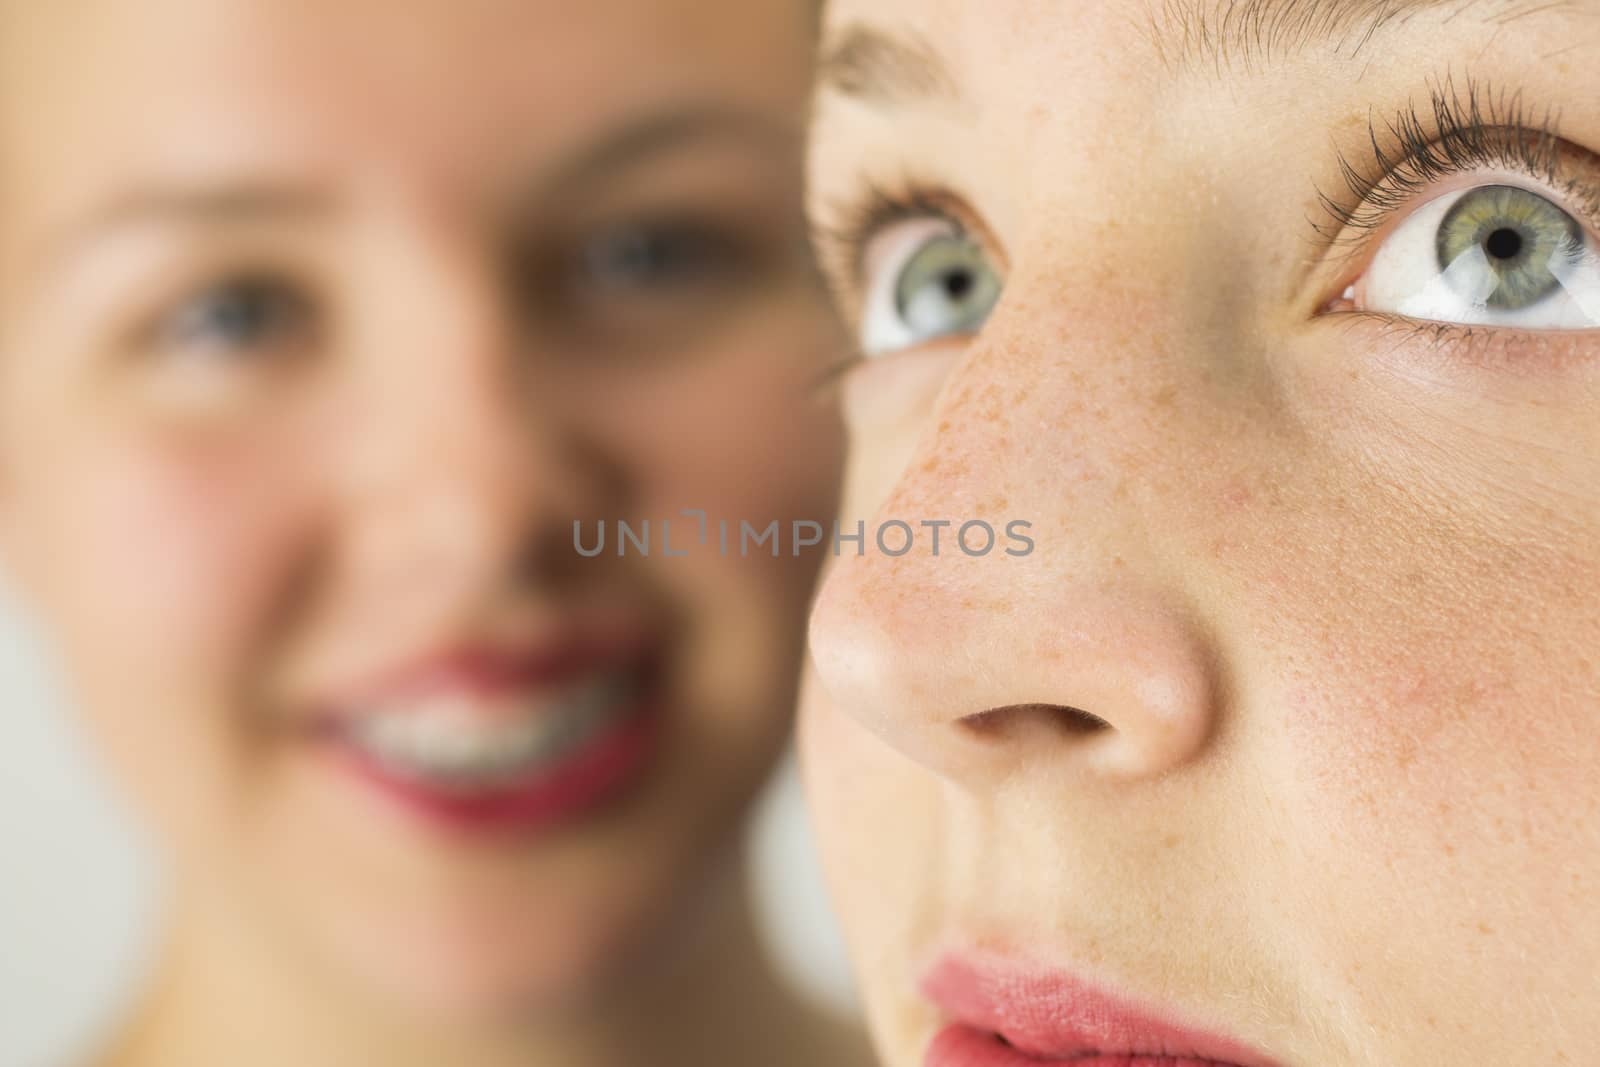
1284 729
322 324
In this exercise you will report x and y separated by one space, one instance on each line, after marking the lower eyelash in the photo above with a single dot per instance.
1489 348
1461 131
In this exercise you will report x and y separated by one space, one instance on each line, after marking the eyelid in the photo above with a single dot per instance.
1457 130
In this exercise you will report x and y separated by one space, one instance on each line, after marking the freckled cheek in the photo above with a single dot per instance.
1436 763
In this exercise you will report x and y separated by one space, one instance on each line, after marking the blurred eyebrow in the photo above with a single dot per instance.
672 129
218 204
871 64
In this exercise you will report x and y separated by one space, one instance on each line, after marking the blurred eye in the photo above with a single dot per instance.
644 285
242 317
652 256
1496 255
925 280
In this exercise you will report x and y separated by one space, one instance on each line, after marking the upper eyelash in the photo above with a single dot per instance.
1460 131
842 243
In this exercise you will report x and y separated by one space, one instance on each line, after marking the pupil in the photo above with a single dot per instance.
1504 244
957 284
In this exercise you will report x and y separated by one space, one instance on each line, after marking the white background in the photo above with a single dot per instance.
78 891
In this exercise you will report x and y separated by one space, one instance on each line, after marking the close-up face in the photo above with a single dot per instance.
1270 737
328 334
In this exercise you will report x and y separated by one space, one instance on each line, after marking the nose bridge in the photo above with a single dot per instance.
1052 429
451 466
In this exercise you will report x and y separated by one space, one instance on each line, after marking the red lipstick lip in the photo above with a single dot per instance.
1006 1015
488 670
501 679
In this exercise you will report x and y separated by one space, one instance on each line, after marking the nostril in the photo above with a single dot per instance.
1000 723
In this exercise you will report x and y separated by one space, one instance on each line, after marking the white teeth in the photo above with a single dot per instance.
443 738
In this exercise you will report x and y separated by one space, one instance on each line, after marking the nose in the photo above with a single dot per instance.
458 477
1080 655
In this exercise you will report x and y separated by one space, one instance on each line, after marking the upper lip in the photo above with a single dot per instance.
1056 1015
487 669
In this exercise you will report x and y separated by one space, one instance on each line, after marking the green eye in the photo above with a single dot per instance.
938 283
947 287
1516 236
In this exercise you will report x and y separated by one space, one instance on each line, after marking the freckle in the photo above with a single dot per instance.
1171 840
1449 850
1236 495
1166 397
1483 928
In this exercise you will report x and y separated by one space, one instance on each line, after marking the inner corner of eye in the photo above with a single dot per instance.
1343 299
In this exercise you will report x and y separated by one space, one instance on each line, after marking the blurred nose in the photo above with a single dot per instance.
458 476
1081 654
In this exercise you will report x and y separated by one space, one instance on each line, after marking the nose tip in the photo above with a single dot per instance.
1114 682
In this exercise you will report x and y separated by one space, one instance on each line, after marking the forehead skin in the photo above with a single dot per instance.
97 93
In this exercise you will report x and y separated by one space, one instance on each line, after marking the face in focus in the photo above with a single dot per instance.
322 325
1283 732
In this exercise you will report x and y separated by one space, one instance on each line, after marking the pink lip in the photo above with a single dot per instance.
488 670
1007 1016
595 773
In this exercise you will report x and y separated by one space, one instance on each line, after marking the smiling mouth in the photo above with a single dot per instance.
479 739
444 741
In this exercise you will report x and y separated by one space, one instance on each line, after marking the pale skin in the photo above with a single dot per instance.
278 404
1326 578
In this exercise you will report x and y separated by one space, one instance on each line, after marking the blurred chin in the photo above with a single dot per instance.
473 965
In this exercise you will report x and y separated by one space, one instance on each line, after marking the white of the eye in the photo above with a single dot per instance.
1581 281
883 328
1405 279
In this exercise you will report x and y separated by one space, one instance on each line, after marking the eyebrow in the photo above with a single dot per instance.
893 69
227 202
219 203
871 64
661 133
1251 34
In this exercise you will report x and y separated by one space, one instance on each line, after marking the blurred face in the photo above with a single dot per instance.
323 324
1278 746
